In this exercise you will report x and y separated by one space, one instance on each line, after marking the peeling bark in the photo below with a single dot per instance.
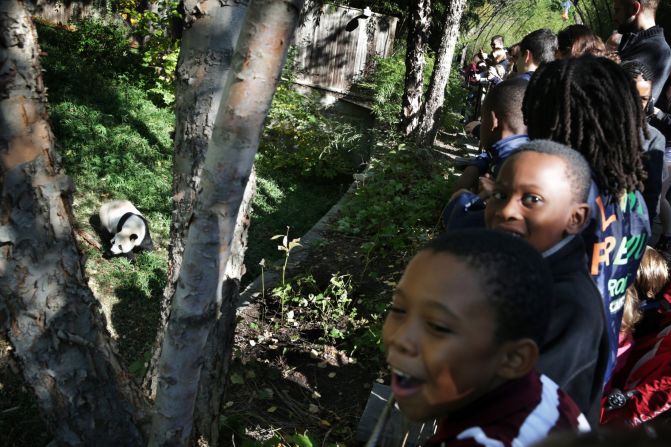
207 47
217 352
47 311
258 60
432 112
418 35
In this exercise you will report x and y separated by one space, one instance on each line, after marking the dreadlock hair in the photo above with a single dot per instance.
590 104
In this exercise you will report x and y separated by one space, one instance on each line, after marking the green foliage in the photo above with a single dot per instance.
398 206
96 50
386 84
117 145
286 247
515 19
299 138
330 309
102 45
397 8
455 102
302 139
159 49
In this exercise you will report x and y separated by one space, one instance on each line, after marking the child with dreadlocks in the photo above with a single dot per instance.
592 105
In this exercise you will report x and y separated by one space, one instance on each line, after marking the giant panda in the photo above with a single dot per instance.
126 225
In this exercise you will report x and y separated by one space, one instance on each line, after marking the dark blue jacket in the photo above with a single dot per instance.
615 238
575 350
501 150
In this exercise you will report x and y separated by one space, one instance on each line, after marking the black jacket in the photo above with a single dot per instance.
575 351
650 48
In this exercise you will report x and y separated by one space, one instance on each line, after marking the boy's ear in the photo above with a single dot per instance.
495 120
577 219
528 57
636 7
518 358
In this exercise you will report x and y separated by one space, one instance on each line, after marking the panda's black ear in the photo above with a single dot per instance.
133 237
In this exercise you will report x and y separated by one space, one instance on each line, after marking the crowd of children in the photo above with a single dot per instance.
543 308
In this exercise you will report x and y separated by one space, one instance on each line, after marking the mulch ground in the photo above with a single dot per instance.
289 380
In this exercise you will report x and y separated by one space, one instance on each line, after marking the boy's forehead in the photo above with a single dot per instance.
439 273
526 163
548 171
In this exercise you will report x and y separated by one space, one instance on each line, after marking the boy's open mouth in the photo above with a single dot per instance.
403 384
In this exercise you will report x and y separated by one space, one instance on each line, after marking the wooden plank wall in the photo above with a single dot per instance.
64 11
337 44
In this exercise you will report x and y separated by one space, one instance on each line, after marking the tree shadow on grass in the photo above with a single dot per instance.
136 318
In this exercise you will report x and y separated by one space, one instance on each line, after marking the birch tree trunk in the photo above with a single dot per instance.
208 43
432 112
418 34
207 48
257 63
47 311
217 352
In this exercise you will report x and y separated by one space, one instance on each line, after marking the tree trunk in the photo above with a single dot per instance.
47 311
217 352
431 116
228 163
207 47
418 34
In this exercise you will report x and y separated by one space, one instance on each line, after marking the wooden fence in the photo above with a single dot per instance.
336 45
63 11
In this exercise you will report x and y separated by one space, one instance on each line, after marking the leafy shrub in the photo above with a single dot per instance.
399 204
103 46
455 102
84 61
159 49
329 309
386 84
299 138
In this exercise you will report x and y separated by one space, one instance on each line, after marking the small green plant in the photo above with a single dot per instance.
286 247
329 309
386 83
